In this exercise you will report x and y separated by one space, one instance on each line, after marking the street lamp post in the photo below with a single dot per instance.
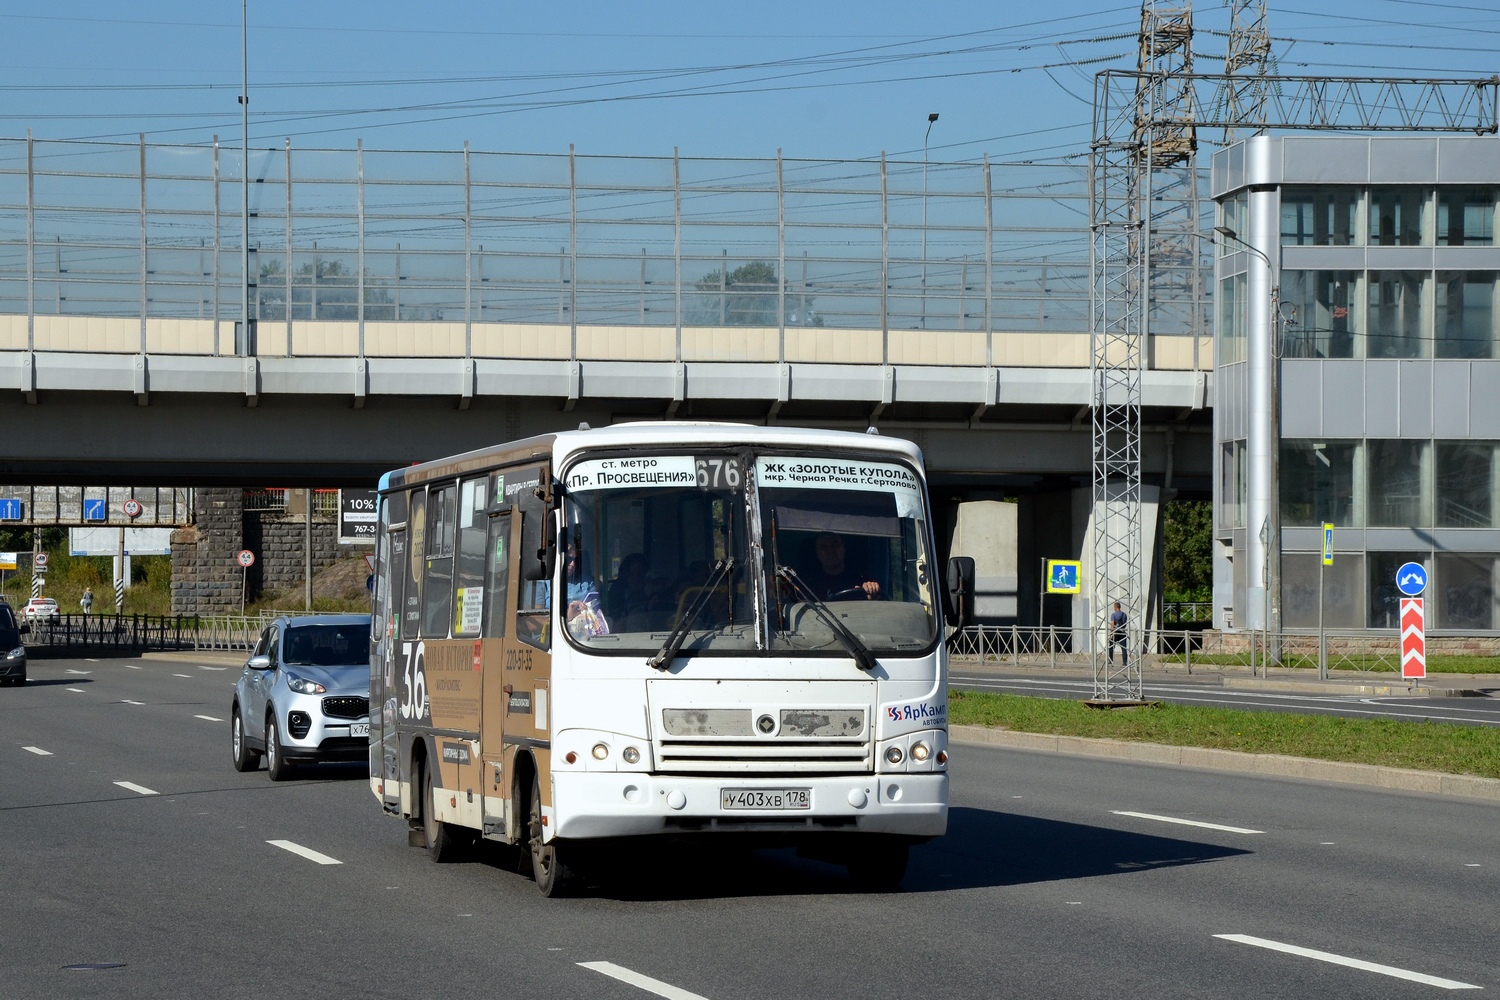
931 120
1270 524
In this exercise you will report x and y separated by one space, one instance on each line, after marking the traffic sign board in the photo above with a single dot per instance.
1062 576
10 509
1411 579
1413 639
132 507
39 561
1327 544
93 510
245 558
357 513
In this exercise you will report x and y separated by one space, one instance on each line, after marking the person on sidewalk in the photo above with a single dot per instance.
1117 636
87 601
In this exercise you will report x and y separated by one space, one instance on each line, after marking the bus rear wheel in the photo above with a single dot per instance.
879 866
443 841
549 864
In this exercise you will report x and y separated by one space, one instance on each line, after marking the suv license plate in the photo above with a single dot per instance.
359 729
766 798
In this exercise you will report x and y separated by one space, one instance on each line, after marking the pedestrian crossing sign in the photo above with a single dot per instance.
1327 544
1062 576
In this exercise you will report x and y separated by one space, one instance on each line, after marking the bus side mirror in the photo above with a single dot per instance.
539 554
960 592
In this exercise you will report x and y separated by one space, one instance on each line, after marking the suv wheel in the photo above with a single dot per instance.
276 763
244 758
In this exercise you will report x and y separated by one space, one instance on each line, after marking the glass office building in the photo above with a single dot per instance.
1358 379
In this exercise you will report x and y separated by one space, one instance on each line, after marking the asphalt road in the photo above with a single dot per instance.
1464 711
1060 877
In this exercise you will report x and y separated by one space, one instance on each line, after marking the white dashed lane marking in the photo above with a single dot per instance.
201 667
74 690
127 701
188 676
131 786
639 981
207 718
81 673
1351 963
306 852
38 751
1185 822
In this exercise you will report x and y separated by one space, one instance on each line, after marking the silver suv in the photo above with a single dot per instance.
304 695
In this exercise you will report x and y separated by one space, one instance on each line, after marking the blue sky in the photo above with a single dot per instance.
815 78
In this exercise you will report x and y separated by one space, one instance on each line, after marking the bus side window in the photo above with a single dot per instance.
437 582
497 576
469 567
534 610
416 554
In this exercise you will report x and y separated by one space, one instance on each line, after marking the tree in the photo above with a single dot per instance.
1188 556
321 289
747 296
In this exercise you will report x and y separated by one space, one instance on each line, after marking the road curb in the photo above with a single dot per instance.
1348 688
1270 765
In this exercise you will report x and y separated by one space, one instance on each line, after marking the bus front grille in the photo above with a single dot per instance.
769 757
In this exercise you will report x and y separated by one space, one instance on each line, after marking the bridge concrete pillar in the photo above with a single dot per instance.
205 577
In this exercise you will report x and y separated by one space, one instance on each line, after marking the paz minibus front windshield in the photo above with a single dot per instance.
654 544
845 539
657 546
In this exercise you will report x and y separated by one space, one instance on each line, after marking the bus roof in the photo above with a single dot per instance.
647 434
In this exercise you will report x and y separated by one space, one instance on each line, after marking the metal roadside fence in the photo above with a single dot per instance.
152 632
1057 646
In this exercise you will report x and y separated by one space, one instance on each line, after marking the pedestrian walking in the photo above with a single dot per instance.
1117 636
87 600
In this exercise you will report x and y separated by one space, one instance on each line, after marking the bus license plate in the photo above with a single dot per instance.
359 729
766 798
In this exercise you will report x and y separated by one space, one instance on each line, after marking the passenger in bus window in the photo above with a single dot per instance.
833 578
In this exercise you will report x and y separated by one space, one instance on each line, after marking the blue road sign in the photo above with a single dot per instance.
10 510
1062 576
1327 544
1411 579
93 510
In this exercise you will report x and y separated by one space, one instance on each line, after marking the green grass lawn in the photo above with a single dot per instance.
1427 746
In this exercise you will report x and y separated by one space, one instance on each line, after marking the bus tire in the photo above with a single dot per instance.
879 866
244 758
277 766
443 841
549 864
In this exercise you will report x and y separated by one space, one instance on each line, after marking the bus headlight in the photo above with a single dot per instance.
601 751
919 751
893 755
630 755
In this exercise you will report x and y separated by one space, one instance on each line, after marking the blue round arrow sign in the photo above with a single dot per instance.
1411 579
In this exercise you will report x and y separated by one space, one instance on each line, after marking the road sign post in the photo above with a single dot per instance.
1411 580
1323 639
246 559
1059 576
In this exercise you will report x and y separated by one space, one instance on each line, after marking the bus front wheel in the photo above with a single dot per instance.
549 864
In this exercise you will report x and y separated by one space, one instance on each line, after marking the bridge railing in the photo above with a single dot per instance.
228 633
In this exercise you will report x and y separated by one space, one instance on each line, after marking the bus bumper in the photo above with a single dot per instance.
615 804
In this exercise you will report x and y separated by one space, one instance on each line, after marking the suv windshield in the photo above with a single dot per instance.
326 645
651 540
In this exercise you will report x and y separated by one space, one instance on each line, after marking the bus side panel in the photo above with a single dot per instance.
454 683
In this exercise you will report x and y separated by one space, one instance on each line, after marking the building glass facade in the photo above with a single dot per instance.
1386 377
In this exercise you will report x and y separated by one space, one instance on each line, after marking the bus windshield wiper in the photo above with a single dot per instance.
863 658
664 656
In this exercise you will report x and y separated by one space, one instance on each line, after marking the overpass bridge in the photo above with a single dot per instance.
398 305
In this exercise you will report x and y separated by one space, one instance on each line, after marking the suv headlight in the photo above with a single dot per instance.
302 685
18 653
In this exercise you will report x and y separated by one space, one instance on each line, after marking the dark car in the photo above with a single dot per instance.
12 652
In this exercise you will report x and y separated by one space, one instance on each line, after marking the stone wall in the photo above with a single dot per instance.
205 577
278 541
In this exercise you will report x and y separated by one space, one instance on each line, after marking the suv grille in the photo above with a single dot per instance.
346 708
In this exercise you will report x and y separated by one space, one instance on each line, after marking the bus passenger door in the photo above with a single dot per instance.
389 738
496 645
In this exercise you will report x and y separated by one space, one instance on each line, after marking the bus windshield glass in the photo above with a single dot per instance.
845 538
655 544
